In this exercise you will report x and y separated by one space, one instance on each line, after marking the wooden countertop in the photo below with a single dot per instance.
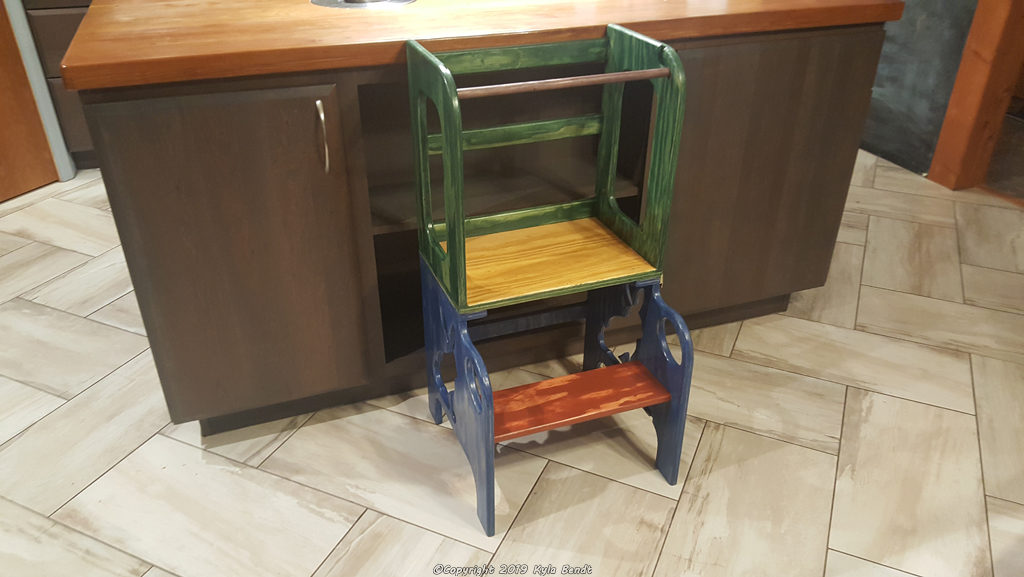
135 42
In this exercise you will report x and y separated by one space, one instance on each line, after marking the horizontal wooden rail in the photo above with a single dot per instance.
522 133
559 83
519 57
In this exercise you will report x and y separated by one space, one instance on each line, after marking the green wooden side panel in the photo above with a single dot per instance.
522 133
527 217
628 50
430 80
518 57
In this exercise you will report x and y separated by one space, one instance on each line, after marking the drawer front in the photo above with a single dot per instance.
53 31
70 115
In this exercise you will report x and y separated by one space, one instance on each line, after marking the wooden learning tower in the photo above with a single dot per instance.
472 264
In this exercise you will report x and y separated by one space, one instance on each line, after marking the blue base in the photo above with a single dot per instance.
470 406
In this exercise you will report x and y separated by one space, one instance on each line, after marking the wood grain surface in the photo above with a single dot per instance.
135 42
575 398
512 264
25 160
984 85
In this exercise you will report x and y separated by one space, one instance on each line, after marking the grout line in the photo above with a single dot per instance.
101 475
835 482
981 468
950 198
863 265
793 371
900 218
866 560
1005 500
286 438
735 338
520 511
907 292
6 444
64 525
318 490
338 544
738 427
672 519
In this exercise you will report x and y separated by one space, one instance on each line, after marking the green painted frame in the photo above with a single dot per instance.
431 77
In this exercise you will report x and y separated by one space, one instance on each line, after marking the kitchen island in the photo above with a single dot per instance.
258 162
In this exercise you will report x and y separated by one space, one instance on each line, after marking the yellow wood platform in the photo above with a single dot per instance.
530 261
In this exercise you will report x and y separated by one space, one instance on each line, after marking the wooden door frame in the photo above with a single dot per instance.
989 68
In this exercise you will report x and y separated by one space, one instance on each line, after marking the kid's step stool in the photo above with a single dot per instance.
469 265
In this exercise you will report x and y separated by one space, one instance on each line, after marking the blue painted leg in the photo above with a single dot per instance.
651 350
470 407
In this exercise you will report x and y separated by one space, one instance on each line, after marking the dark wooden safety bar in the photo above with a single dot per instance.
559 83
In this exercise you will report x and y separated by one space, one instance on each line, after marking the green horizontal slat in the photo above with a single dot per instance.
517 57
525 217
523 133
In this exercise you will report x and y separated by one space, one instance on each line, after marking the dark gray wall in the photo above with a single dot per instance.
915 78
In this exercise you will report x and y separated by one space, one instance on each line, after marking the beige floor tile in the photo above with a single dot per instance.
994 289
912 207
29 198
853 229
87 288
123 313
158 572
909 491
9 242
752 506
75 444
836 302
379 545
33 546
405 468
621 447
64 224
249 445
32 265
891 177
579 519
864 169
843 565
21 405
999 390
59 352
991 237
886 365
717 340
200 515
1006 529
943 324
787 406
915 258
93 194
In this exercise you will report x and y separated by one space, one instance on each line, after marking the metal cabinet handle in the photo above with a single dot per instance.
323 132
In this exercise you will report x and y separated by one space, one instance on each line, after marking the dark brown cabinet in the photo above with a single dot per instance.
274 255
243 244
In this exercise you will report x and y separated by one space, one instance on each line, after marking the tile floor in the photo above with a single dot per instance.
876 429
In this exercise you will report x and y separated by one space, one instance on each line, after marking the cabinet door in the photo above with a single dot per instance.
242 242
769 140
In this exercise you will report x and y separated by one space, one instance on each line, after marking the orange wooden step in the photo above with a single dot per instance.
576 398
